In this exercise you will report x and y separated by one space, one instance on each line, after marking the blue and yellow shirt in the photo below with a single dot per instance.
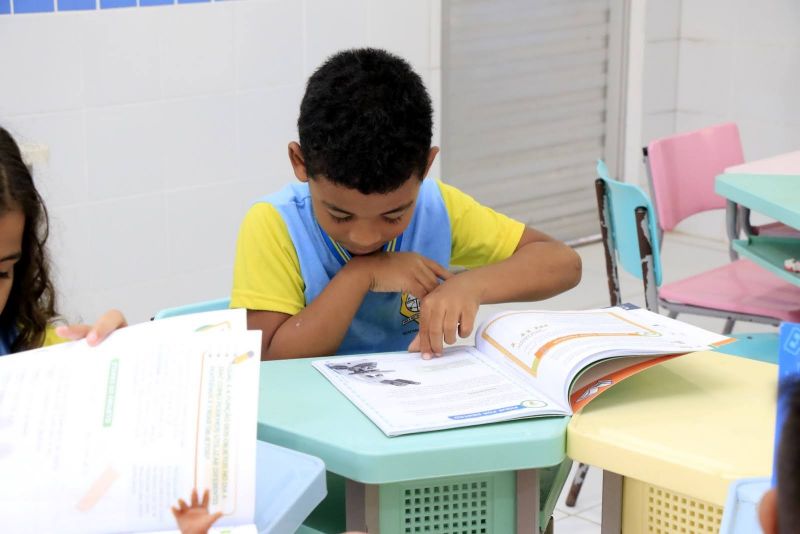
284 259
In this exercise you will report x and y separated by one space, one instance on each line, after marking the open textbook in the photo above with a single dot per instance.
524 364
107 438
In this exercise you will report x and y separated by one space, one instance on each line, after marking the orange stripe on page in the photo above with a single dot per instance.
98 488
576 402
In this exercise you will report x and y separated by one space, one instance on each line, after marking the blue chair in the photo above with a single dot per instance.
197 307
630 238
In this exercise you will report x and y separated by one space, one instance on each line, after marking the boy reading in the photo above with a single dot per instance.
355 257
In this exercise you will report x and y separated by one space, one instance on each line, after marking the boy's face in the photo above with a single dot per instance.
360 223
363 223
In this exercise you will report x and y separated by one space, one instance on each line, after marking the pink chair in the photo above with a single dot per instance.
682 169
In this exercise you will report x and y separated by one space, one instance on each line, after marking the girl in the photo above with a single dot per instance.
27 296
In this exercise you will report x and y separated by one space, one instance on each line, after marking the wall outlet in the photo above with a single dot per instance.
35 154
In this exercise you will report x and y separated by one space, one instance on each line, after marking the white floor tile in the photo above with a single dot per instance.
593 514
576 525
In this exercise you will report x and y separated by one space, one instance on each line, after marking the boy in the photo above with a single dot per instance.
355 257
779 510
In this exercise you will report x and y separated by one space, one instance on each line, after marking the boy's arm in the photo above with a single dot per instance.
539 268
319 328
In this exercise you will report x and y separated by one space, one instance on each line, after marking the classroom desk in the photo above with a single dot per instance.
771 187
678 434
394 482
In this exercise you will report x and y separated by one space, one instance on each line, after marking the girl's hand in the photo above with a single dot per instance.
110 321
194 518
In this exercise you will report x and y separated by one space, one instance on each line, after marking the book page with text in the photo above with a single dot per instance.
106 439
402 393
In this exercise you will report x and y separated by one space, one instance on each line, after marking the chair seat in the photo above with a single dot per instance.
776 229
741 287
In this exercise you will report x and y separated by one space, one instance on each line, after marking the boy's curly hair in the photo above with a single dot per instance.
366 121
31 303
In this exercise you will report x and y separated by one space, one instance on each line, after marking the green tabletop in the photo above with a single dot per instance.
299 409
776 196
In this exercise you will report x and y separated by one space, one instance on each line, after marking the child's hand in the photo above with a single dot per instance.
194 519
446 313
110 321
402 272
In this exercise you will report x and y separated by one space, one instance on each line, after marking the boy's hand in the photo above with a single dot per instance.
194 518
402 272
110 321
446 313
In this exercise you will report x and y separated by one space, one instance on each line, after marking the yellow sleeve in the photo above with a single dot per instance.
51 338
480 235
266 271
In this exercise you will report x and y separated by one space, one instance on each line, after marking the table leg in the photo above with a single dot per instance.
528 501
355 499
611 522
732 225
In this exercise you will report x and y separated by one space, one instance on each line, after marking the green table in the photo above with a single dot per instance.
455 479
770 187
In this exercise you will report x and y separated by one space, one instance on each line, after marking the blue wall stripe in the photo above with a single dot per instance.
5 7
108 4
74 5
192 1
155 2
33 6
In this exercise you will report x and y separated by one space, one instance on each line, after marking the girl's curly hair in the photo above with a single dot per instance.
31 303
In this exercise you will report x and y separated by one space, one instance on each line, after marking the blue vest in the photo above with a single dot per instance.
7 337
385 321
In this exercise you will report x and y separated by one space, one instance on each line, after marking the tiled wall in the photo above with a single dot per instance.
164 124
712 61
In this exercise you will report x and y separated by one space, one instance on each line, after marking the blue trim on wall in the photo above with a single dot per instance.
33 6
76 5
49 6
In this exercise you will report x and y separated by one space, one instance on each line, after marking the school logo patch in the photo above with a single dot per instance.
409 308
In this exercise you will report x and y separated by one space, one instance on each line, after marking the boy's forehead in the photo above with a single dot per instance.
337 196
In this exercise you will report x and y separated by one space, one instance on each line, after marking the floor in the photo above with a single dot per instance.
682 255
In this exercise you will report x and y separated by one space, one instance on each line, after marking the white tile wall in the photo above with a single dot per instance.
259 26
737 61
663 20
332 26
121 55
660 70
164 124
45 71
62 180
196 49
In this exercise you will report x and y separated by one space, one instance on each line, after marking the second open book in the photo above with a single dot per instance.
524 364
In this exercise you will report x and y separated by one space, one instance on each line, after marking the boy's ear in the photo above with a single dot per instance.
297 161
431 158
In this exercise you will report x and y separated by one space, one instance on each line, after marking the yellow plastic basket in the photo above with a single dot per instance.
648 509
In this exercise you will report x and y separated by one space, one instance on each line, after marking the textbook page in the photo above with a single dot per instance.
552 347
402 393
107 438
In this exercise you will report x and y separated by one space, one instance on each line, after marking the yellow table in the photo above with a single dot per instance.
671 439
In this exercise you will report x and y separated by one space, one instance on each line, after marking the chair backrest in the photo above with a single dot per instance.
683 168
197 307
623 200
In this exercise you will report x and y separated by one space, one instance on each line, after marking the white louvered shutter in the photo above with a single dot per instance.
524 85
